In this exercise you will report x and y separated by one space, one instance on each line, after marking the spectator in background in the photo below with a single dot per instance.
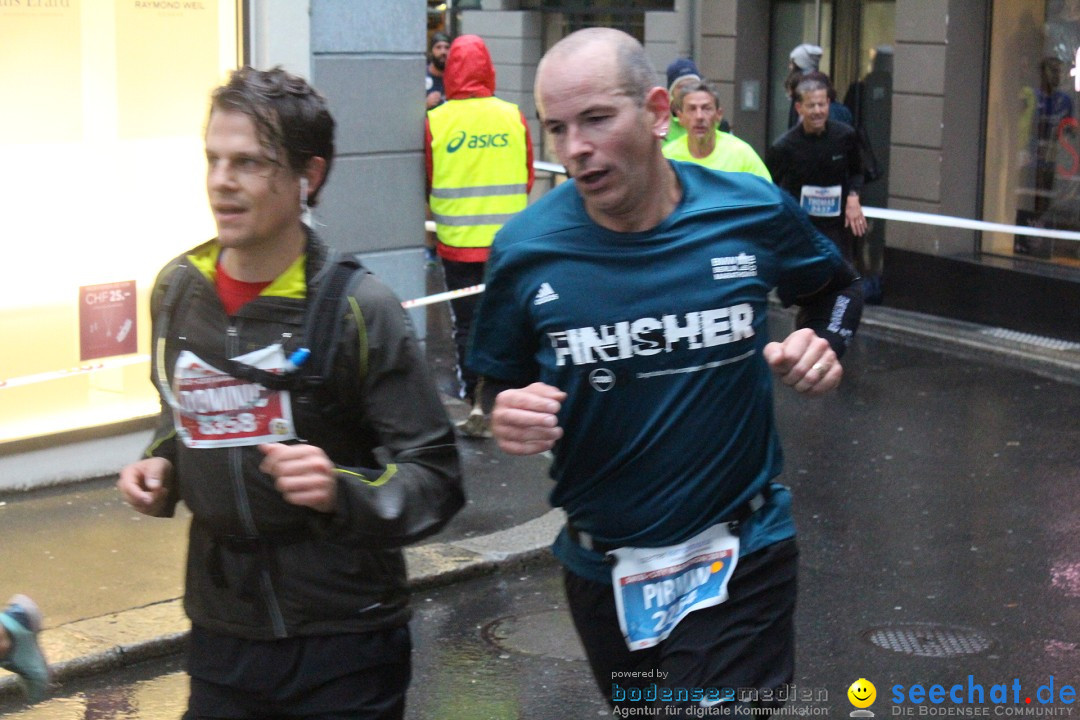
802 59
818 162
435 90
697 107
433 82
20 623
870 101
479 159
803 63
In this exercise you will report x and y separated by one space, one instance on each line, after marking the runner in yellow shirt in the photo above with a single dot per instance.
698 110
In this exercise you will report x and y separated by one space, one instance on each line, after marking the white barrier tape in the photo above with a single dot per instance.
70 372
549 167
429 225
940 220
135 359
916 217
958 222
439 297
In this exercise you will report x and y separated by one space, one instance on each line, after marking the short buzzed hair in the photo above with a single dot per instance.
637 76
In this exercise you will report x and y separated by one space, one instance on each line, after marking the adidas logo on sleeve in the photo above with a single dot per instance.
545 294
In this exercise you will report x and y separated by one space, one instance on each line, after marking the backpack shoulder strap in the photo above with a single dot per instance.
321 330
322 323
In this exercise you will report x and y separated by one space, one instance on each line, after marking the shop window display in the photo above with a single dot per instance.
1033 129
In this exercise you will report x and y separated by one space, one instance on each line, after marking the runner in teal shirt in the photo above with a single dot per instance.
624 327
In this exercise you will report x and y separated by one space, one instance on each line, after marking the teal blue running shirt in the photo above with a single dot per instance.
656 337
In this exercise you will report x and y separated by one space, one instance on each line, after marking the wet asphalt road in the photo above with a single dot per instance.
938 518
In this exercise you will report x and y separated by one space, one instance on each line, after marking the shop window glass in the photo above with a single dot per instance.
1033 135
101 139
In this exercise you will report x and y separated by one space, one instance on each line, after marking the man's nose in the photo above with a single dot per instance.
220 174
577 142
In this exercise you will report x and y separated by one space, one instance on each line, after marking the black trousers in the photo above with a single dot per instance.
740 648
461 275
354 676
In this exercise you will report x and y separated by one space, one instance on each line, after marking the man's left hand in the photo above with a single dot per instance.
854 217
303 474
805 361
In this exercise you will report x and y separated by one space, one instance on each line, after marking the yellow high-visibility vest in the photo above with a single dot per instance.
479 171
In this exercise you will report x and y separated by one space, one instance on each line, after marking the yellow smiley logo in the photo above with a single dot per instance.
862 693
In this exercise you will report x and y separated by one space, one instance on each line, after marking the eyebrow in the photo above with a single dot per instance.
596 107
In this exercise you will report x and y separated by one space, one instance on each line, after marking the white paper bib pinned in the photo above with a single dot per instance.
214 409
820 201
655 588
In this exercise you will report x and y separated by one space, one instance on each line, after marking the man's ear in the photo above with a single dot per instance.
315 174
658 104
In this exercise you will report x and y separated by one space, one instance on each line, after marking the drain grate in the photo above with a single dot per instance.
1029 339
928 640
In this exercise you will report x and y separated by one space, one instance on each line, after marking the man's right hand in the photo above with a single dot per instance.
523 420
145 484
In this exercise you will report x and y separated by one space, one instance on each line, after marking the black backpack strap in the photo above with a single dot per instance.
322 324
321 333
321 330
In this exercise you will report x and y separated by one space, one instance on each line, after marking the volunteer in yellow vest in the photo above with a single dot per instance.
698 110
479 172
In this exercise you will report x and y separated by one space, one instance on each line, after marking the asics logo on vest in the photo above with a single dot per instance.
495 140
650 336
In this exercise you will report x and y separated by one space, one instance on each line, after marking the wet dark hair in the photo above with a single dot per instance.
288 114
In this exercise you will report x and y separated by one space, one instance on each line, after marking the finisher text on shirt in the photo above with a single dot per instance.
649 336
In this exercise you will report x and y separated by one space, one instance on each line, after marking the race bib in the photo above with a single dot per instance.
655 588
821 201
214 409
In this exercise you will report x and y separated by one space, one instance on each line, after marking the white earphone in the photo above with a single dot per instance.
305 211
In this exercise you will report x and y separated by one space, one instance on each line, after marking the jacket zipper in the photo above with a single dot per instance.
243 507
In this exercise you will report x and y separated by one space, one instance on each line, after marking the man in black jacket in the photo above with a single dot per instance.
302 493
818 162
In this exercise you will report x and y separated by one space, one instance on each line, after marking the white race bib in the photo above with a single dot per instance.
821 201
215 410
655 588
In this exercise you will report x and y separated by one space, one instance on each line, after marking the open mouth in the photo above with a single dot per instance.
590 179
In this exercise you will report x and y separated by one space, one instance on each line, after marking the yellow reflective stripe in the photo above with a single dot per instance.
484 191
389 472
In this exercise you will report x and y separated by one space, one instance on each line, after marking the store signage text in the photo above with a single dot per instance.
35 3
